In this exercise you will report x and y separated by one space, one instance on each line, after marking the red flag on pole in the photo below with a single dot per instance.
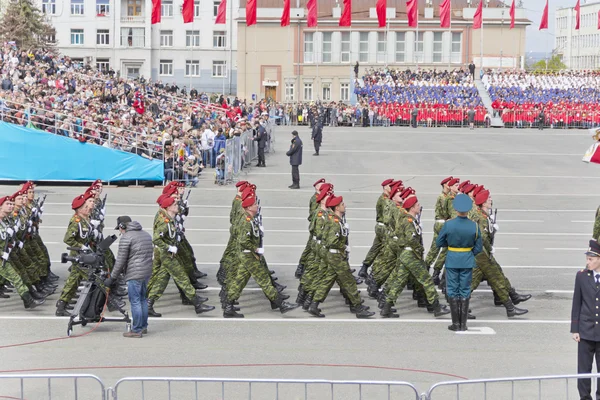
478 17
188 11
221 12
381 8
544 21
512 14
311 19
156 11
445 14
412 12
346 18
577 15
285 16
598 19
250 12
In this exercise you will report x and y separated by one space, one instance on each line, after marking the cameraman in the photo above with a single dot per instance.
135 261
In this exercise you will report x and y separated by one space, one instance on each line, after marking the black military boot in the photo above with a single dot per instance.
516 297
299 271
497 301
363 273
314 310
363 312
439 310
373 290
455 313
230 311
307 302
199 305
47 283
512 311
421 300
31 303
358 280
464 313
221 274
151 311
386 311
199 286
279 287
52 276
36 295
301 296
61 309
184 300
353 309
2 294
284 306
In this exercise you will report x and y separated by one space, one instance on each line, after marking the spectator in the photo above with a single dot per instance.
191 171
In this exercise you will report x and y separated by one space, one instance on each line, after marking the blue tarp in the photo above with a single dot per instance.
31 154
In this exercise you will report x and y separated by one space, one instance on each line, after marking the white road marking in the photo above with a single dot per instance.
565 248
408 174
480 330
559 291
489 153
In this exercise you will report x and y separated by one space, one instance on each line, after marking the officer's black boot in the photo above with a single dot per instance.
439 310
31 303
199 305
363 312
151 311
301 296
386 311
307 302
363 273
455 313
314 310
464 313
512 311
299 271
230 311
61 309
516 297
497 301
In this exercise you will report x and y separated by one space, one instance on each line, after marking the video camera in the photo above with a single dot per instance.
88 258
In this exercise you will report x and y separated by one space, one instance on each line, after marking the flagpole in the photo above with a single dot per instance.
317 60
192 55
417 43
481 41
450 35
387 32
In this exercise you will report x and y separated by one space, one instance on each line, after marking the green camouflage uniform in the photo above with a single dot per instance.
230 254
312 207
440 218
450 213
78 234
31 267
596 232
313 263
7 269
386 261
40 249
248 262
335 243
380 230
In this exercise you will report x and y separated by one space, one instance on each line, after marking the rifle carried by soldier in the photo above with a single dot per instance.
36 216
493 227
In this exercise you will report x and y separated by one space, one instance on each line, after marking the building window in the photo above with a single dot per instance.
192 38
133 37
326 91
326 47
102 8
309 47
455 56
308 93
166 8
165 67
134 8
344 91
166 38
381 47
400 46
196 8
419 53
289 91
76 7
49 7
51 38
216 7
437 47
363 47
219 39
102 37
76 36
345 47
192 68
219 69
102 64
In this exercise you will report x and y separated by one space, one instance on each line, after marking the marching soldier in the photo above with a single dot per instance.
335 243
379 228
312 206
7 270
453 185
596 231
440 219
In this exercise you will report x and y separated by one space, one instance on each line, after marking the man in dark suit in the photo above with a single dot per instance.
472 69
585 320
295 155
261 141
317 136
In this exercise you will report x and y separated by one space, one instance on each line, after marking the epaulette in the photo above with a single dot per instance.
77 219
410 220
248 219
330 216
320 214
336 219
167 220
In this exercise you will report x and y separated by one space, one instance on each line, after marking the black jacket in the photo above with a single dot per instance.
261 137
585 311
317 133
135 253
295 151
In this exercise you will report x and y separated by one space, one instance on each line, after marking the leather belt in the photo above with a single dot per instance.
460 249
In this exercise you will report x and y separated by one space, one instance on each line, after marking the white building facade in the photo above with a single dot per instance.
118 34
580 49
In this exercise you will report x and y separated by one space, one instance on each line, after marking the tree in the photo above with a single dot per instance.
554 64
25 24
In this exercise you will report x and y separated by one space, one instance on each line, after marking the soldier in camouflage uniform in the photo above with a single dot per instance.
335 243
440 219
380 230
596 230
454 186
249 264
97 221
410 262
166 238
312 206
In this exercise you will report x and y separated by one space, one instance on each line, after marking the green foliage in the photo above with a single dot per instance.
25 24
554 64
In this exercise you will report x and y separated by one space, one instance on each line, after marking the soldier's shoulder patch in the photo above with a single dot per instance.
330 216
248 219
167 220
320 213
336 219
410 220
77 219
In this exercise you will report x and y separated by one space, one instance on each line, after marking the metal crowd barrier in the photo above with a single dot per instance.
52 389
261 389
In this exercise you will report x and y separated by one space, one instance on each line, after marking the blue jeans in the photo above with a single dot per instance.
137 291
458 282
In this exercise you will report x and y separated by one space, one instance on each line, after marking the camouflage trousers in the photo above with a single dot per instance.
377 245
307 250
228 259
24 266
312 267
384 263
43 249
337 269
435 253
36 254
8 273
249 265
165 266
407 264
487 268
75 277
